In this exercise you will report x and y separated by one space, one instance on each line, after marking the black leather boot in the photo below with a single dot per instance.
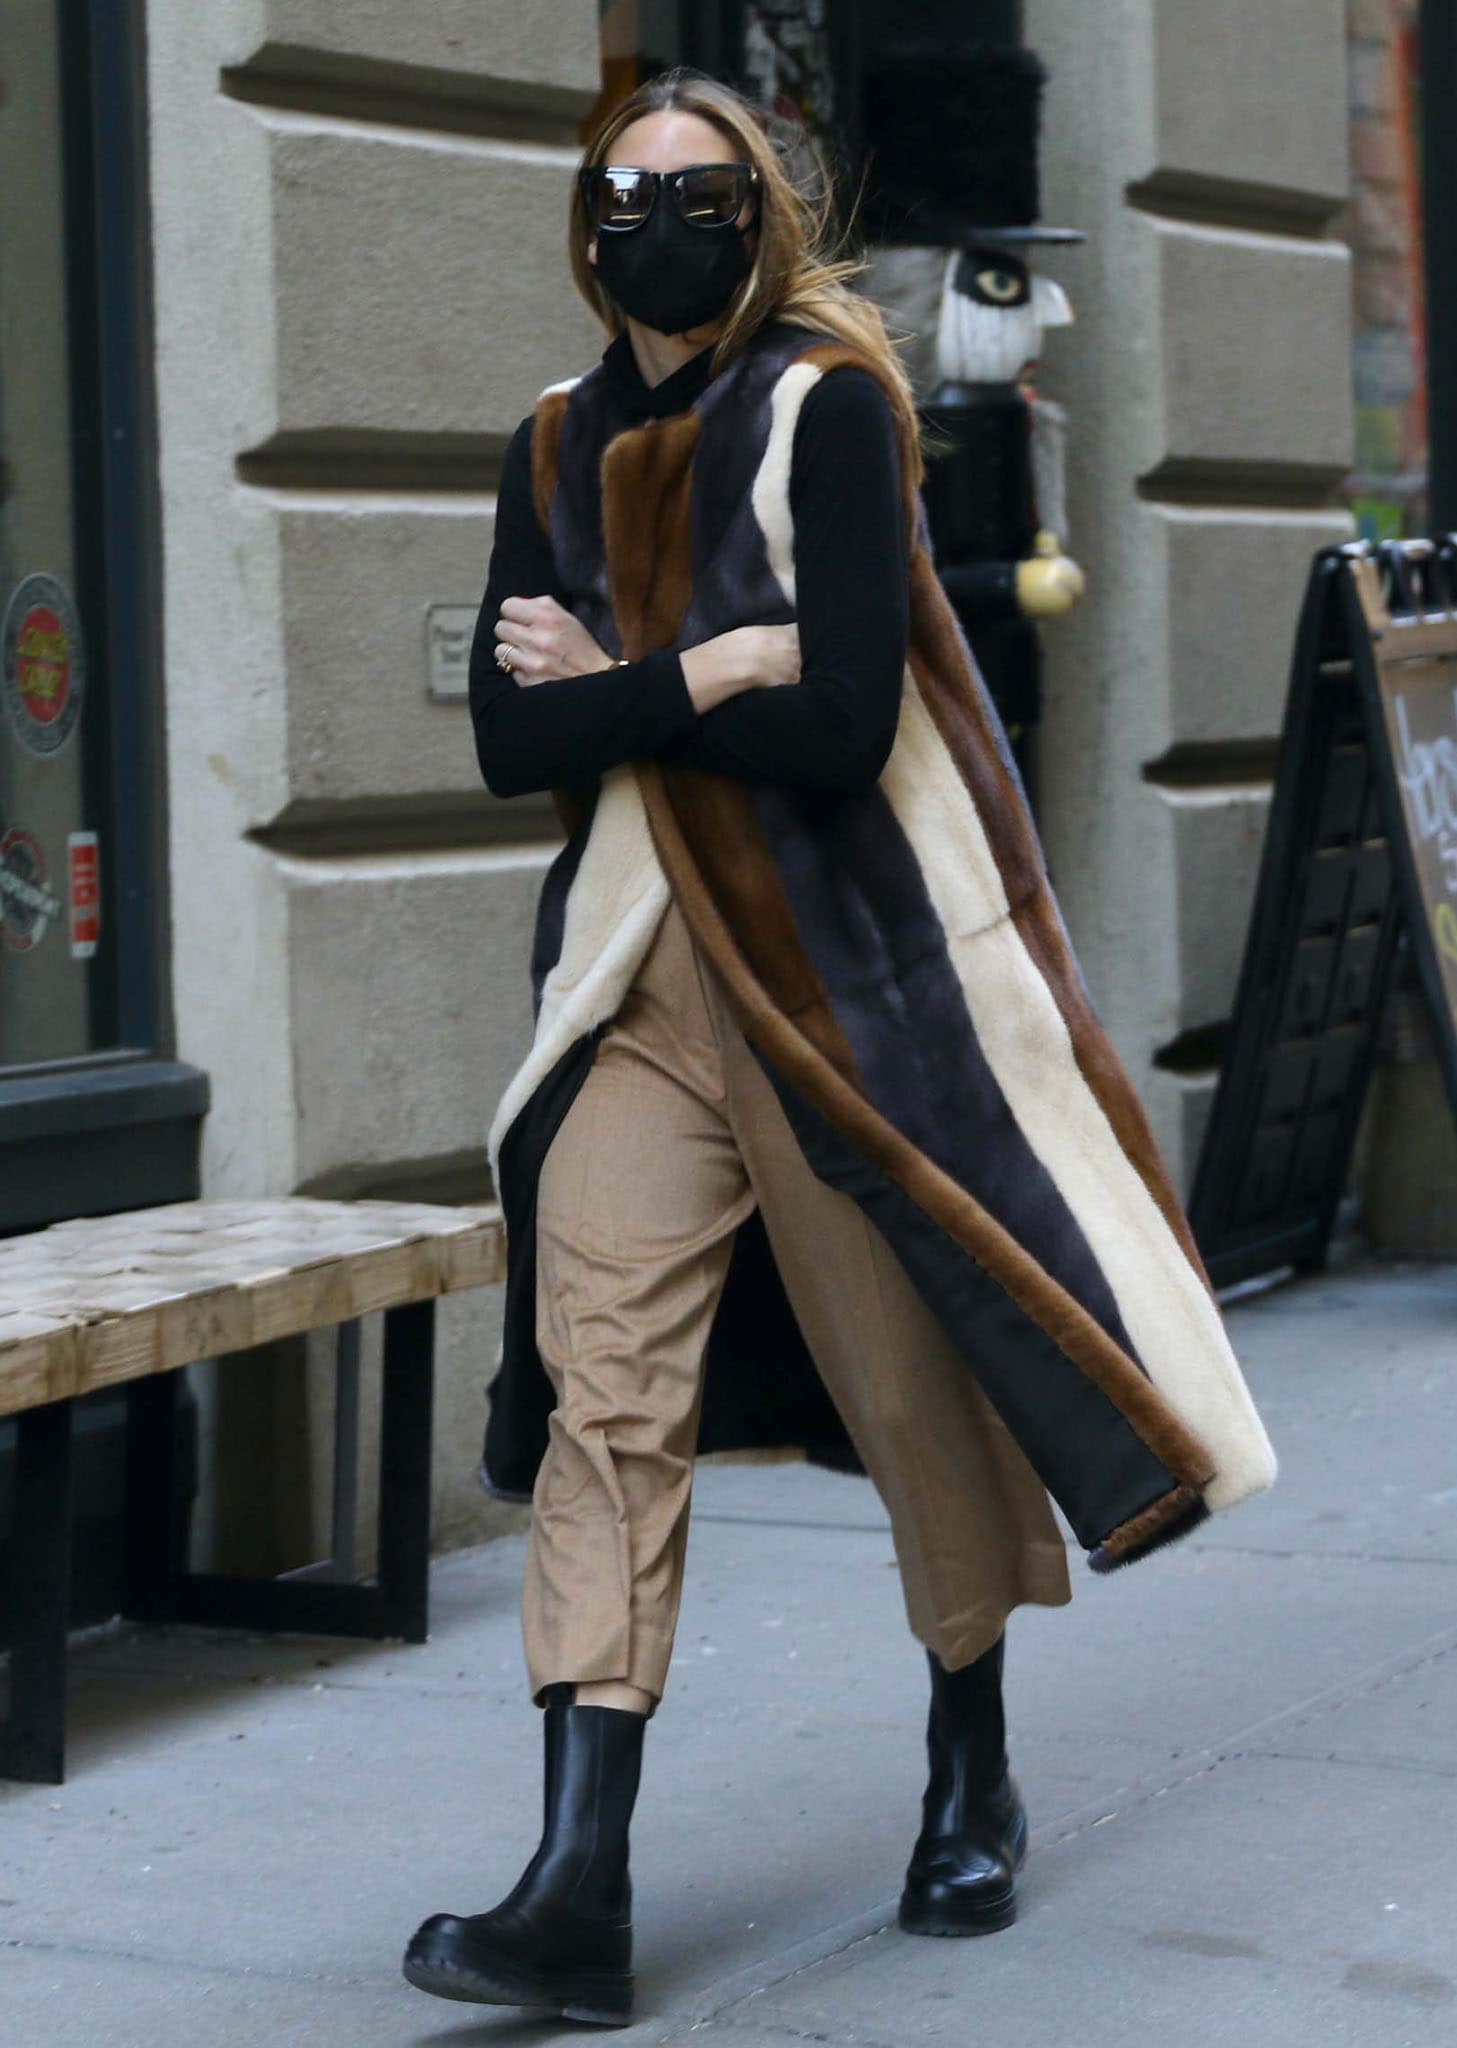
962 1875
562 1940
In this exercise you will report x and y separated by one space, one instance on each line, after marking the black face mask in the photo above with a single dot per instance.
669 275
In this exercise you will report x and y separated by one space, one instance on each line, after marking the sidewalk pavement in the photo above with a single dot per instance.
1240 1760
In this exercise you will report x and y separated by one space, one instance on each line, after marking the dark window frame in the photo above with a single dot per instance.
119 1128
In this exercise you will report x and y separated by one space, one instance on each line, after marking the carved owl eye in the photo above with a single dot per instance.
1001 287
992 277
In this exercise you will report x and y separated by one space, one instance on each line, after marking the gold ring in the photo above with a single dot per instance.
503 658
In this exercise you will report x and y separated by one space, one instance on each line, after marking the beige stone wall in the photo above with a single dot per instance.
1203 149
360 284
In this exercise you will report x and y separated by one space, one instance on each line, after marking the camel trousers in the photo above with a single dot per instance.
673 1138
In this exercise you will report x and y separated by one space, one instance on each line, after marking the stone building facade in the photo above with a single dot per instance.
359 288
358 284
1209 380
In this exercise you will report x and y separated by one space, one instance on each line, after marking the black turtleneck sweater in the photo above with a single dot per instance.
832 730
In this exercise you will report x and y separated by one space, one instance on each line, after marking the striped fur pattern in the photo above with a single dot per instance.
902 969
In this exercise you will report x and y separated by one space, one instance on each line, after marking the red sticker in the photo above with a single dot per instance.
43 664
83 874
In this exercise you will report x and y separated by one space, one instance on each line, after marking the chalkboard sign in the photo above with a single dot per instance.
1361 844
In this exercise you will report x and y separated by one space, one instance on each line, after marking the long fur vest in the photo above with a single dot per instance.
898 963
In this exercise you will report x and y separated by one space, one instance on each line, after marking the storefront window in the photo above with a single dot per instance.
796 57
50 845
789 61
94 1114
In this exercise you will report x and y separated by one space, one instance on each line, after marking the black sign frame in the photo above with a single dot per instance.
1338 887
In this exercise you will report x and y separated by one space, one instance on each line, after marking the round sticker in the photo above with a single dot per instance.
45 664
27 907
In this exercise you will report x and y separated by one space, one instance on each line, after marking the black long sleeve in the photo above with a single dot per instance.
833 729
554 735
830 731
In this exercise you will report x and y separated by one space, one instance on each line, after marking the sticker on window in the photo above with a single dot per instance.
28 907
44 664
83 890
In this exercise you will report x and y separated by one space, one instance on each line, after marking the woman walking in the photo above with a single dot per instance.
818 1140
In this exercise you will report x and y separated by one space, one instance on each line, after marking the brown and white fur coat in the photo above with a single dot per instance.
898 963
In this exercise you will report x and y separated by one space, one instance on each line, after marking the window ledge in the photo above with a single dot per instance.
86 1139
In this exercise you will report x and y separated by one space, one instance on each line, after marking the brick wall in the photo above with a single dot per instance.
1383 227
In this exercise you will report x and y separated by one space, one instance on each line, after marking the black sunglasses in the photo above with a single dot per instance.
619 197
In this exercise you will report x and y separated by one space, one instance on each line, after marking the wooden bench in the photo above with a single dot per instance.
127 1300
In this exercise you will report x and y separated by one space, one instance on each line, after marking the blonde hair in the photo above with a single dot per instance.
799 273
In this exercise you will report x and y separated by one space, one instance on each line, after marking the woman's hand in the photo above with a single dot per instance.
774 654
545 642
745 658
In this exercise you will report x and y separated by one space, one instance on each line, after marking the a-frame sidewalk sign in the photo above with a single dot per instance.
1361 846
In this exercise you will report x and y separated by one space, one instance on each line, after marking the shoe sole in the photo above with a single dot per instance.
598 2003
990 1919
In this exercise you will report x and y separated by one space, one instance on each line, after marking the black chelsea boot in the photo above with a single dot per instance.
561 1942
962 1875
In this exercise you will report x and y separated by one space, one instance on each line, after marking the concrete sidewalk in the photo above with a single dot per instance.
1240 1761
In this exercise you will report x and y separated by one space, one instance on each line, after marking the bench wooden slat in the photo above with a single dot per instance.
115 1350
99 1301
40 1360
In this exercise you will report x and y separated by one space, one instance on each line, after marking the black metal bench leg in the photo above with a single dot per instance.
151 1537
311 1600
33 1735
404 1470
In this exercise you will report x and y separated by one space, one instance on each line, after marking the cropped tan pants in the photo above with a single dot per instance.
674 1137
